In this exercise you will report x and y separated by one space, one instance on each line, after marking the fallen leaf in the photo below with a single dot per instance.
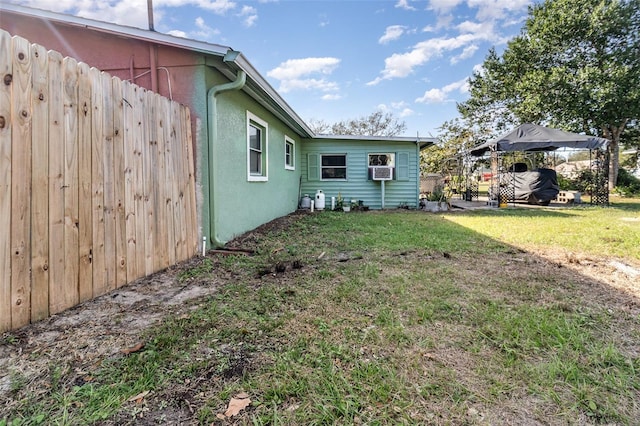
139 397
221 416
236 405
132 349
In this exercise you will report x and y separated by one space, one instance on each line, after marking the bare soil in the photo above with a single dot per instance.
81 338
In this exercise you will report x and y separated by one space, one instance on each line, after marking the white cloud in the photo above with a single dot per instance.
249 14
497 9
295 68
127 12
331 97
53 5
393 32
322 85
404 4
324 20
406 112
178 33
299 74
467 53
399 108
442 6
398 105
400 65
435 96
219 7
204 32
133 13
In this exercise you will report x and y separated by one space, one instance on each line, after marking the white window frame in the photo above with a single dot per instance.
322 167
257 122
291 164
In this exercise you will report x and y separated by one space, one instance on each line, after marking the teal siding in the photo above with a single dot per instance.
403 190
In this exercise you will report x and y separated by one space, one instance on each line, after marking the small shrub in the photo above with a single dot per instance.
627 185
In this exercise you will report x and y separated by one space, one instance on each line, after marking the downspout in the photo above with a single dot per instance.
153 51
212 127
419 161
153 67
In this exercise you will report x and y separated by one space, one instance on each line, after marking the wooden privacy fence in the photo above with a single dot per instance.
96 183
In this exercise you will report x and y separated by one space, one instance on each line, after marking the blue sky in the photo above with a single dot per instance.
333 60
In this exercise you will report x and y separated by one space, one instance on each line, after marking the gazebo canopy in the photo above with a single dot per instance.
531 137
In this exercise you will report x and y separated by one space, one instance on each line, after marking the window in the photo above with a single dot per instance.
257 140
382 160
289 153
382 164
333 166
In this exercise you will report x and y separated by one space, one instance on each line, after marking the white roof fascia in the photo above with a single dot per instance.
423 142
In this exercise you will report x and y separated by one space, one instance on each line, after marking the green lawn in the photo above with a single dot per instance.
613 230
399 317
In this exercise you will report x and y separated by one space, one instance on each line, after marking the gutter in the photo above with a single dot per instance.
212 128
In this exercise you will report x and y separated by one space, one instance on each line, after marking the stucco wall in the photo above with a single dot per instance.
244 205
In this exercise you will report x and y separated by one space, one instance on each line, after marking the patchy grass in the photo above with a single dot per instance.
614 230
382 318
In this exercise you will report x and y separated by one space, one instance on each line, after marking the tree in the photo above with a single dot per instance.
319 127
575 66
455 138
377 123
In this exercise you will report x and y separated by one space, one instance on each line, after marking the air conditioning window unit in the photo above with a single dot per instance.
381 173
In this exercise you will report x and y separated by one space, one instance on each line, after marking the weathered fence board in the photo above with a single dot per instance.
96 183
40 184
118 163
5 183
70 188
21 183
85 221
56 184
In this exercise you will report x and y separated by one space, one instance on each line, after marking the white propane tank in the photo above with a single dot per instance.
306 202
319 201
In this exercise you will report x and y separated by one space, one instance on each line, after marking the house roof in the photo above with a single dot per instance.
422 142
256 86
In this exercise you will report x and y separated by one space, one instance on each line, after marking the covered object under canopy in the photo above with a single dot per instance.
530 137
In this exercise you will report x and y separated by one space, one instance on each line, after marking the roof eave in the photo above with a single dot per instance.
260 89
422 142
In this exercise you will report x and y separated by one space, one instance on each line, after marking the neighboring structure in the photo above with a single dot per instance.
252 150
571 169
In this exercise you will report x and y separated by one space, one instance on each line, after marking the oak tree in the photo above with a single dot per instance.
575 65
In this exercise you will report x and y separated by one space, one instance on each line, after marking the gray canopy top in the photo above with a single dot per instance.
531 137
